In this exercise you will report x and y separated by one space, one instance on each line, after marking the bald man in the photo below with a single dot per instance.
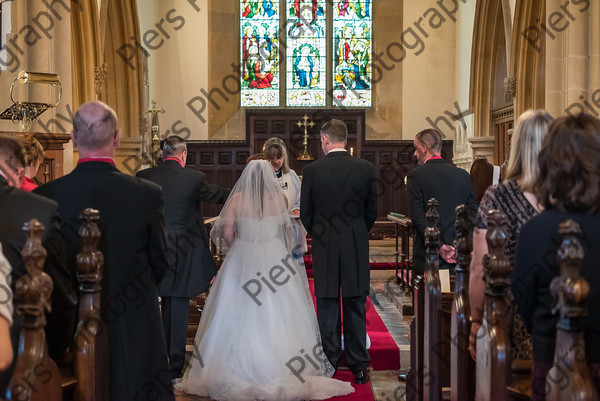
133 242
449 185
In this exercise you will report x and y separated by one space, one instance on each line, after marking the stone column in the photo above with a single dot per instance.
573 58
483 146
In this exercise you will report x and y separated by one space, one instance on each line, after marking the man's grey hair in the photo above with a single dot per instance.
94 125
174 146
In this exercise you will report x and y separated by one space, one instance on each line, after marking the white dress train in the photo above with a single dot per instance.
258 337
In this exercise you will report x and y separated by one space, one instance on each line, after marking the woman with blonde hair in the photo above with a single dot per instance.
514 197
34 156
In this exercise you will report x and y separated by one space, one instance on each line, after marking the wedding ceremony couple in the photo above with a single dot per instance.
274 347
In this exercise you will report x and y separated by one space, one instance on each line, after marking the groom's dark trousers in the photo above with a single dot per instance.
355 333
338 208
191 266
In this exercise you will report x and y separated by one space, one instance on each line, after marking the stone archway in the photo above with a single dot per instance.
490 60
528 61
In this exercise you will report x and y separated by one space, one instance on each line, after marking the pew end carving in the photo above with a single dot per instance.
36 376
462 376
432 388
91 338
414 377
570 292
493 342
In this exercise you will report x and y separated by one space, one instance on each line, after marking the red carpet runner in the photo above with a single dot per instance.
385 354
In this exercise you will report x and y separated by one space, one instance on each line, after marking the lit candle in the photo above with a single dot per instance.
351 151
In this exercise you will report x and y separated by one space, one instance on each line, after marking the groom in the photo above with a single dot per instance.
338 208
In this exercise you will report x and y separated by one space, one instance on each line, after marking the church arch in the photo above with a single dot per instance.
528 63
490 102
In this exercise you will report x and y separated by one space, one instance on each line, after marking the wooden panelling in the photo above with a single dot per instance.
223 161
264 124
394 159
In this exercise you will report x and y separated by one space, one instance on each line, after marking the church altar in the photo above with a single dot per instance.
223 161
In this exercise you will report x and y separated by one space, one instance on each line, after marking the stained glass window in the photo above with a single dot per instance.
259 23
352 47
310 73
306 57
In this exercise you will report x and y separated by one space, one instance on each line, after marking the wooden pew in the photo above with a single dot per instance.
493 349
570 291
36 376
462 376
414 377
91 350
437 307
432 388
430 342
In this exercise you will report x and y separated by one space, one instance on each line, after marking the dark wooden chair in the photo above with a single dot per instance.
570 291
482 175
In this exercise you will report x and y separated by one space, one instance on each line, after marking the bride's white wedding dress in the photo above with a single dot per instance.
258 337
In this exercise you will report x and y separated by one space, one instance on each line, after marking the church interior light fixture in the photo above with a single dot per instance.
27 112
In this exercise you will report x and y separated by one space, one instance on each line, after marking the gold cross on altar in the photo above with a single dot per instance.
154 128
303 122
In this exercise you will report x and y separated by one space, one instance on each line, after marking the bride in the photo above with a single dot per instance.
258 337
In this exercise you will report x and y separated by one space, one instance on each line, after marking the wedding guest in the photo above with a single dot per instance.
513 197
34 156
134 246
16 208
568 187
449 185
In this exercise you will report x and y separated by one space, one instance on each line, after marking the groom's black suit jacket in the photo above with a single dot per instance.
133 243
338 208
192 266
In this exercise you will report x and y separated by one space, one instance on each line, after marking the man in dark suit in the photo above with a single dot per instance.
191 265
133 242
16 208
449 185
338 208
